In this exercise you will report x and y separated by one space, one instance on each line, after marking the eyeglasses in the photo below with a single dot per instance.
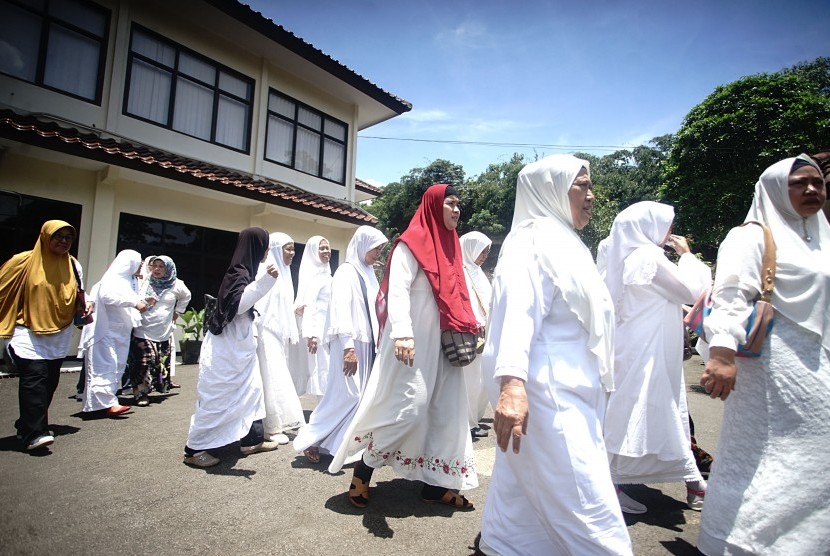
60 238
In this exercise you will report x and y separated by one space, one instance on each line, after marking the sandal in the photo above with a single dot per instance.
312 454
452 499
358 493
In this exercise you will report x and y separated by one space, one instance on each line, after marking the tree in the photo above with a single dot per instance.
726 141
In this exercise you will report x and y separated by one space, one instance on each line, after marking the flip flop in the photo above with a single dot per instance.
358 493
312 455
452 499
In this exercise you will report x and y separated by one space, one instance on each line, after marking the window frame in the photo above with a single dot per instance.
176 74
321 133
46 22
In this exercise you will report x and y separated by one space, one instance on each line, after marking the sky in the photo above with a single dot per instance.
488 78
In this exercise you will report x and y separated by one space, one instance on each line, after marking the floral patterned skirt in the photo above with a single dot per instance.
149 366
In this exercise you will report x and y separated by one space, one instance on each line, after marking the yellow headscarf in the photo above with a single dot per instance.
38 288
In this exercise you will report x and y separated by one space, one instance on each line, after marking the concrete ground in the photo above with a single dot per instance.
119 486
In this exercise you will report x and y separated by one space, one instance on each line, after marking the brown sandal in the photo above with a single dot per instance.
358 493
452 499
312 454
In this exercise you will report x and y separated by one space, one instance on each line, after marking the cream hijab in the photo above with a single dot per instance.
543 215
277 308
472 245
802 270
641 225
312 273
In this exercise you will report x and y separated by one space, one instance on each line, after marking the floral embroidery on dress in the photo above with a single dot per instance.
451 467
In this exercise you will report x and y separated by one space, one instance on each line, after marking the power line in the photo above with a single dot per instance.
497 144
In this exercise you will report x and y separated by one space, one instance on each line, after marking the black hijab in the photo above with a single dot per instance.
250 249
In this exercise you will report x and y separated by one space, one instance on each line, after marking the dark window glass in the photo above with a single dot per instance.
22 216
58 44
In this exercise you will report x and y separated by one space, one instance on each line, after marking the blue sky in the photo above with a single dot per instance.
591 76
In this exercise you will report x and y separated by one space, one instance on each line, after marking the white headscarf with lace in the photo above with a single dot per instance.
277 307
472 245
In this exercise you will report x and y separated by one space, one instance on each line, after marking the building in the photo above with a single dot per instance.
167 127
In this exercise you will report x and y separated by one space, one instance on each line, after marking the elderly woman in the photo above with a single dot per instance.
150 347
475 247
277 331
647 421
117 309
413 414
548 361
769 487
310 305
229 404
351 336
38 302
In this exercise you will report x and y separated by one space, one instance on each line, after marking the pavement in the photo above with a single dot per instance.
118 486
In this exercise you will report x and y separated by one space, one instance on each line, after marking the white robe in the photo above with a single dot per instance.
555 496
312 325
282 405
647 419
768 493
477 399
413 419
229 388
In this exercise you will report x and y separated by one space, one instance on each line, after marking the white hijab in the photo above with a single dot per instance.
472 245
802 270
543 211
276 308
312 273
347 317
117 281
641 225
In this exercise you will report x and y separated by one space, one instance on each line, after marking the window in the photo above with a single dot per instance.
22 216
176 88
57 44
305 139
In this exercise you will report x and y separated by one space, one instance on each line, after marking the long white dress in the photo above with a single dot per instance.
555 496
647 419
229 387
312 324
768 493
413 419
472 245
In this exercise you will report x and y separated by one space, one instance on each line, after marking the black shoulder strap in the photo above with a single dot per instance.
73 262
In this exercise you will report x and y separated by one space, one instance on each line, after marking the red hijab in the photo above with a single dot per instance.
439 255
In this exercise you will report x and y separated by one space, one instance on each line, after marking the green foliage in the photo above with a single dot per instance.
192 323
727 140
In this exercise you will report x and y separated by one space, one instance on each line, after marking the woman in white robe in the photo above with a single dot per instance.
351 337
548 362
117 310
475 247
647 419
277 327
311 305
413 413
769 489
229 403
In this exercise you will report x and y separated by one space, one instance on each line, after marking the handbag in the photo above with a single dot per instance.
458 347
761 319
80 301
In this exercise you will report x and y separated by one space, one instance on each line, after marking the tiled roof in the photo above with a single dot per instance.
279 34
45 132
368 188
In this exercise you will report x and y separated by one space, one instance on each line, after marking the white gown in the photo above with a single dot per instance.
312 325
647 419
229 388
413 419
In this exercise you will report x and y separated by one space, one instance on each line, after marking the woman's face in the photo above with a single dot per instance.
581 197
452 212
324 251
483 256
61 241
157 268
372 255
807 191
288 253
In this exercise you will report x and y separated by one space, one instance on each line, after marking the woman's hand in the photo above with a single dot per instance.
312 345
90 307
405 350
271 269
299 310
679 243
512 412
718 378
141 306
349 362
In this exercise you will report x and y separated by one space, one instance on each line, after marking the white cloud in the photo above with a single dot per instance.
469 34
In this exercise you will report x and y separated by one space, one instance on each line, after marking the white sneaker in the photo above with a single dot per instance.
264 446
41 442
694 498
628 505
279 438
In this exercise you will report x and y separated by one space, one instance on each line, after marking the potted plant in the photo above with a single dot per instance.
192 323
